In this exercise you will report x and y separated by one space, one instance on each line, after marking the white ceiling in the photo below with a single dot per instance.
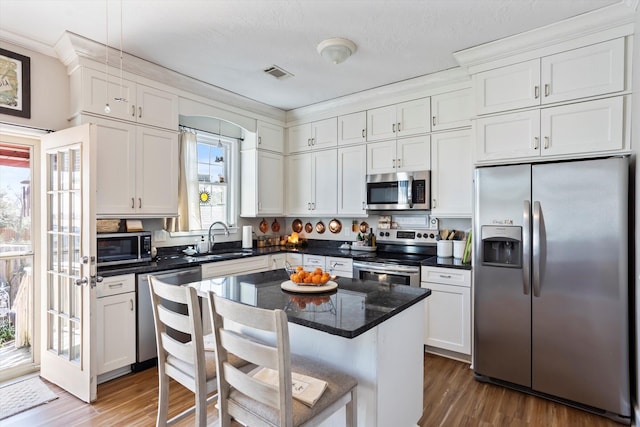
228 43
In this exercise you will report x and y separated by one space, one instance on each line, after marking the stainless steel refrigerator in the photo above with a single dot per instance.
551 310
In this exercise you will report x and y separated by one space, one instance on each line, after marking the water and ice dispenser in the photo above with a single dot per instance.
502 246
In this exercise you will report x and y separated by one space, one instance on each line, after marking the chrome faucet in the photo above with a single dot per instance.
211 236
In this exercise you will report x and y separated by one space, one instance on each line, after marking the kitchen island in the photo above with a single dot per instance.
370 330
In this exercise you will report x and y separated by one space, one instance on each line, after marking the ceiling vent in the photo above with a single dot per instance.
277 72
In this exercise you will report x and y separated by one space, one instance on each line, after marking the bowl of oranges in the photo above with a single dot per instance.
307 275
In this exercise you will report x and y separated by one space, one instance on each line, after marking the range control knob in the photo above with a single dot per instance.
382 234
386 234
432 235
420 235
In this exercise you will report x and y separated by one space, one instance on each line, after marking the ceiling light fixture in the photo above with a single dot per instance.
336 50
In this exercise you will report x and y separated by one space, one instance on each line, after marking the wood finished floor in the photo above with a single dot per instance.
452 398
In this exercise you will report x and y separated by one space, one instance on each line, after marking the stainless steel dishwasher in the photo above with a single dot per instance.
146 351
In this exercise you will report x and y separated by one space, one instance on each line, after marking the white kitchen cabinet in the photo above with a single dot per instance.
312 261
448 309
144 104
451 174
312 136
234 267
342 267
352 174
277 261
116 323
588 71
262 178
137 170
352 128
399 120
406 154
312 183
451 110
581 128
270 137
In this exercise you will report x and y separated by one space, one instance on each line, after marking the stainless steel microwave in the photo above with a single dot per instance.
399 191
124 248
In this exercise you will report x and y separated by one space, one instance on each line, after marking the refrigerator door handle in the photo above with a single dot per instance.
526 248
536 249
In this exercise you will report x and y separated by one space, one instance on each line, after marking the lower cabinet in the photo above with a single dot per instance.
252 264
116 325
448 309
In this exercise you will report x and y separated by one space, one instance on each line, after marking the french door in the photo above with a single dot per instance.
68 267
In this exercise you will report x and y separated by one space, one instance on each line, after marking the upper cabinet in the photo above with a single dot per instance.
352 175
270 137
312 180
402 155
352 128
399 120
311 136
262 178
137 170
587 71
451 110
591 127
451 174
127 99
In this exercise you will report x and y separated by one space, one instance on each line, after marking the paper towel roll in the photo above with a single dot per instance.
247 237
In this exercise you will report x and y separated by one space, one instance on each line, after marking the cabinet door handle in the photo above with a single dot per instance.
398 126
313 206
131 304
546 142
445 276
309 206
433 120
393 128
393 162
363 133
313 141
139 112
309 142
398 163
139 202
259 206
115 285
536 92
133 111
536 143
433 204
259 140
133 203
546 89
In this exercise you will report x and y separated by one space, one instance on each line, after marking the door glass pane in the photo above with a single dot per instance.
75 169
64 336
76 212
53 331
64 212
64 296
63 157
75 247
76 297
75 342
53 172
53 252
64 254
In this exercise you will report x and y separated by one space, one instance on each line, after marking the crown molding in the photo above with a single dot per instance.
26 43
616 20
74 50
406 90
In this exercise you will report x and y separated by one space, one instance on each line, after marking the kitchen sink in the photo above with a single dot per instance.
221 255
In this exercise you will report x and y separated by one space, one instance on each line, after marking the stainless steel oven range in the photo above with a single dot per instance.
398 258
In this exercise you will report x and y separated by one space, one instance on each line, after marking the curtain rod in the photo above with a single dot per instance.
194 130
17 127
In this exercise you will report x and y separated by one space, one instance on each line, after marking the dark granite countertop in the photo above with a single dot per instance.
172 258
352 309
450 262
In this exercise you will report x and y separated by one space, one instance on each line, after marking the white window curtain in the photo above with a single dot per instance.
188 199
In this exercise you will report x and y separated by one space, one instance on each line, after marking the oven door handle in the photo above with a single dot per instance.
385 268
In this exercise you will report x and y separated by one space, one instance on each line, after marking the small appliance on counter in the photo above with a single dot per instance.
123 248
